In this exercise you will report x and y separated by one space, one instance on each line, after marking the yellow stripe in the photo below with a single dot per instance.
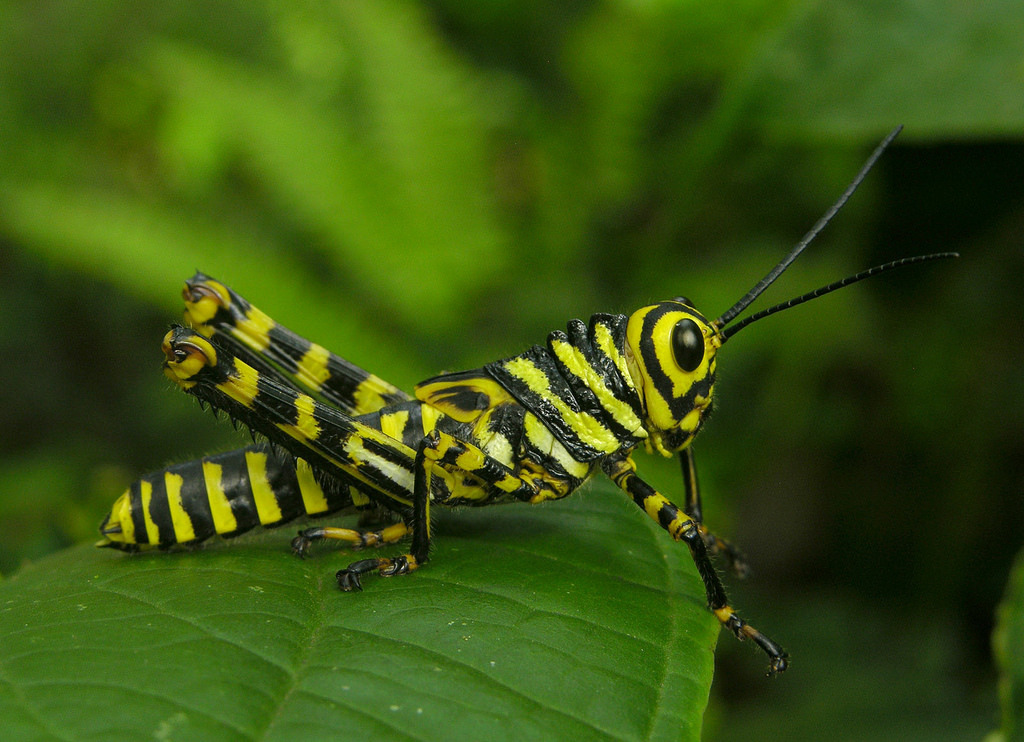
312 367
306 428
267 508
606 343
496 445
362 457
180 520
394 423
367 395
255 329
241 387
578 364
691 420
224 520
586 427
652 505
313 498
306 424
152 532
429 416
121 514
541 438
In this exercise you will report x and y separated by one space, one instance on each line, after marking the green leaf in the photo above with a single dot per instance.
577 619
1008 645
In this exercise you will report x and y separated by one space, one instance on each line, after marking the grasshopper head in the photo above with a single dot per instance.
670 351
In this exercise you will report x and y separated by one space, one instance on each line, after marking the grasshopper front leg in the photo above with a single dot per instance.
683 527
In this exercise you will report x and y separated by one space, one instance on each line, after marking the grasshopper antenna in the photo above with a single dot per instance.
731 313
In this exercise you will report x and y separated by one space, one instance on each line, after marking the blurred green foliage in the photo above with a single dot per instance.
433 185
1008 638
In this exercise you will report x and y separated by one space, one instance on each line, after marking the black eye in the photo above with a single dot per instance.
687 344
683 300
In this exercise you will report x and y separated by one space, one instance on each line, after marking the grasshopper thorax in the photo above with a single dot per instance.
670 352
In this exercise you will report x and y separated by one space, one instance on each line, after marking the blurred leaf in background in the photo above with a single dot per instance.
434 185
1008 645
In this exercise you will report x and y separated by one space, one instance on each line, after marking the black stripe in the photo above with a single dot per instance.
388 453
507 421
138 518
226 317
622 388
285 484
414 431
666 514
228 345
344 379
160 511
234 481
286 347
239 307
662 383
336 427
581 392
194 498
335 490
278 399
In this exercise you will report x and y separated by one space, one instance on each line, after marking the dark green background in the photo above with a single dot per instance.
431 186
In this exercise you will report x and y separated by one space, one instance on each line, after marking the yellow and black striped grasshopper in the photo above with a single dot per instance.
529 428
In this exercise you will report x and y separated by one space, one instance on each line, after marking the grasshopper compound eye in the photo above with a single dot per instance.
687 345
